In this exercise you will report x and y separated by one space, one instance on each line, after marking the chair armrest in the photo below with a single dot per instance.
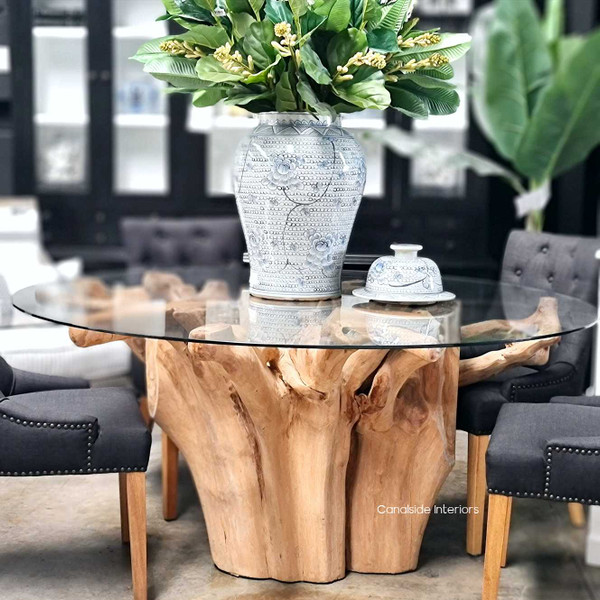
558 379
578 400
44 441
573 469
25 382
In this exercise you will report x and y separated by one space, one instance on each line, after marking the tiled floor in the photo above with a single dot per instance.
59 540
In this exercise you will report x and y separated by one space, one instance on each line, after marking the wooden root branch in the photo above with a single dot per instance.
544 321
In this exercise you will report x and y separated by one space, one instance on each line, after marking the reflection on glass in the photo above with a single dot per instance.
140 105
163 305
61 115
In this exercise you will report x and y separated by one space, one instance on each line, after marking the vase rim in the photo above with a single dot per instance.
273 117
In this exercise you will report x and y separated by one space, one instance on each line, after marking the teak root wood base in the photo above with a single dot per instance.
299 454
295 452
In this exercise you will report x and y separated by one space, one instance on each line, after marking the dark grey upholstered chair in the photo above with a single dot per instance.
15 381
83 431
197 249
557 263
548 451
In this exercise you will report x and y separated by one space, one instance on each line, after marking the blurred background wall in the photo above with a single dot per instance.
94 139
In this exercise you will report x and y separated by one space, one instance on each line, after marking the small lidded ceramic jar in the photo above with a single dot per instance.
405 277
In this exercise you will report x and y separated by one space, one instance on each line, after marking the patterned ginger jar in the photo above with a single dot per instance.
298 181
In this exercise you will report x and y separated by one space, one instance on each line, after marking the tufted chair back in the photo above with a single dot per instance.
565 265
559 263
156 243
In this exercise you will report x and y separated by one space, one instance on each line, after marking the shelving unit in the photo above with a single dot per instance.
142 152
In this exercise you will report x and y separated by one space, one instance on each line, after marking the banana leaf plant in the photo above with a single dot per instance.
536 96
322 56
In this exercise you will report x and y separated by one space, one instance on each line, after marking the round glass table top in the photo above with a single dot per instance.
170 306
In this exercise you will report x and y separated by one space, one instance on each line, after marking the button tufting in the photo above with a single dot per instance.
550 278
518 272
545 249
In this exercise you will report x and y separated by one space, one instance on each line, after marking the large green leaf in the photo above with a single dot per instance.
285 99
241 95
210 69
151 50
357 12
238 6
310 98
373 14
278 11
567 47
336 11
481 26
518 67
407 102
256 5
383 40
299 7
440 100
453 46
368 93
395 13
313 66
343 46
189 9
565 126
444 72
240 23
210 36
209 96
257 42
261 76
178 71
410 146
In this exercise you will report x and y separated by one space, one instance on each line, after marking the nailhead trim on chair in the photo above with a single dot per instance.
547 494
525 386
71 472
89 469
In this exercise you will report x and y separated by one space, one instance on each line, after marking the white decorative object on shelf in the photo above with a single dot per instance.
405 278
298 181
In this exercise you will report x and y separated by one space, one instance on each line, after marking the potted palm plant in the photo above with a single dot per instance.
536 96
299 177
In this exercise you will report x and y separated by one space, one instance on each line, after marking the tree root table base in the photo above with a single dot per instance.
298 455
293 451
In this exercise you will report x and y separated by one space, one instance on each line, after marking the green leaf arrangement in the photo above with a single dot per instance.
536 93
322 56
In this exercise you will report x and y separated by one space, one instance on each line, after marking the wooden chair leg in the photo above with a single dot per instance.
507 532
170 472
123 503
476 492
498 510
136 509
576 514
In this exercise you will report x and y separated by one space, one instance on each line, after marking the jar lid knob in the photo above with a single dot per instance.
406 250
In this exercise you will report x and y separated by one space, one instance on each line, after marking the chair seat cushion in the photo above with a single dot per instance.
517 455
73 431
479 404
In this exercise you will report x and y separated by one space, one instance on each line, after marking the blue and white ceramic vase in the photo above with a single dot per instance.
298 182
